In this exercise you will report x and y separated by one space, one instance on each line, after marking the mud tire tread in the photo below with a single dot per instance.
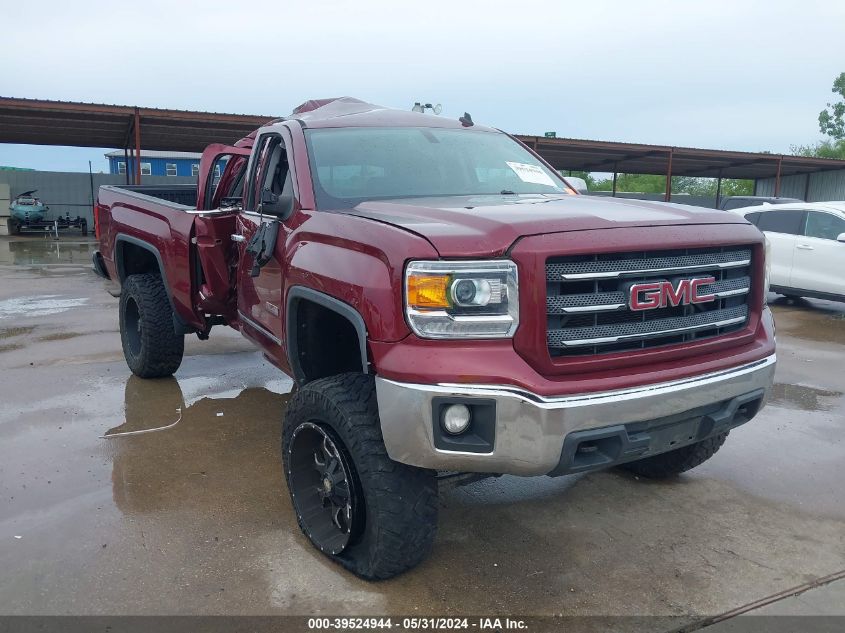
400 501
161 347
678 461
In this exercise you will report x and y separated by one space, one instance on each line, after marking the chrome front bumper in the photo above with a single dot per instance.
530 429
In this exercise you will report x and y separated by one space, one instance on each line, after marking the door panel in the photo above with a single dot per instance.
260 298
819 258
217 255
218 258
781 226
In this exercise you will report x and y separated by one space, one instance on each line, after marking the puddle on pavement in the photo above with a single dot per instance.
37 251
822 321
803 398
12 332
219 452
59 336
40 305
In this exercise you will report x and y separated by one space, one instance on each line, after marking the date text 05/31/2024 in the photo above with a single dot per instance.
417 623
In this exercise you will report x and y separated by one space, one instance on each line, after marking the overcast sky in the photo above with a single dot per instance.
743 75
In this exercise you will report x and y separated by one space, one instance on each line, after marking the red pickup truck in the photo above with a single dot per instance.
447 304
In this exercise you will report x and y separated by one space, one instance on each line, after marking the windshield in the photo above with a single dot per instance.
352 165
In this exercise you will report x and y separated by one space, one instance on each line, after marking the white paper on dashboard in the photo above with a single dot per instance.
531 173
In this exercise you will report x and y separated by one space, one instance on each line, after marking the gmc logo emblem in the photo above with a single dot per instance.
660 294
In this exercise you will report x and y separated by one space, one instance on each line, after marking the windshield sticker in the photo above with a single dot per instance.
532 173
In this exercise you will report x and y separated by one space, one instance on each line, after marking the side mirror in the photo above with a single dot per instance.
273 204
840 237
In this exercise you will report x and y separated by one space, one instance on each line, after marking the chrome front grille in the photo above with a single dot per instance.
634 266
587 299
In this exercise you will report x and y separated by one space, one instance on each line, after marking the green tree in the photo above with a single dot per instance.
733 187
592 182
646 183
822 149
832 118
694 186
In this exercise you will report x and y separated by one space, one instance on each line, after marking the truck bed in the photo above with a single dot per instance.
149 221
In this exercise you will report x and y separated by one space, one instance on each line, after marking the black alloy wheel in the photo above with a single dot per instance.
323 488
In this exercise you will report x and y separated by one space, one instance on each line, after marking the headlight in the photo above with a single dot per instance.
768 269
462 299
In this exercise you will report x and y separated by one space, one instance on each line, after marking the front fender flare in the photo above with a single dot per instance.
297 294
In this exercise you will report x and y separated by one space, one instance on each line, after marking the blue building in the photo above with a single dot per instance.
155 163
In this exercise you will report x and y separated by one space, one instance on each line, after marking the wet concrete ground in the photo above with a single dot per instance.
195 518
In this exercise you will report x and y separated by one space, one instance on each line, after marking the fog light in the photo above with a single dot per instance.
456 418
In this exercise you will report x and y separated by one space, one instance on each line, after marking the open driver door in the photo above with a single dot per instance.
219 196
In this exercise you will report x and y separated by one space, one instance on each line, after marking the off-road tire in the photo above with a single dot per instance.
152 349
397 518
678 461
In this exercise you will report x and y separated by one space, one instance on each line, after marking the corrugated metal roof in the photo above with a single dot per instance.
99 125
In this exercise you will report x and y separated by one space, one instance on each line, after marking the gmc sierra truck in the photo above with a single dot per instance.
446 303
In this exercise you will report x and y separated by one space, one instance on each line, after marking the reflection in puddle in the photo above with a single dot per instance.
216 452
803 398
39 251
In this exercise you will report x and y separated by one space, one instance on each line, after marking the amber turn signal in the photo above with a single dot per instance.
428 291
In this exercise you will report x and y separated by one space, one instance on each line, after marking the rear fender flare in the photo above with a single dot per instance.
122 239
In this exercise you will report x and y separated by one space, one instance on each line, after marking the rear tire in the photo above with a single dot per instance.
678 461
151 346
388 524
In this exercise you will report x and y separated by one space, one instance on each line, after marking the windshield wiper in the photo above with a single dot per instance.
507 192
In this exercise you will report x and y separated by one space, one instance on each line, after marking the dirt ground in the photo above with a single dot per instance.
195 518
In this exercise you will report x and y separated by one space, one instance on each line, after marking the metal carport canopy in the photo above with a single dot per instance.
100 125
635 158
41 122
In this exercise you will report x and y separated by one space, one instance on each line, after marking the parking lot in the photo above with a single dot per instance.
194 518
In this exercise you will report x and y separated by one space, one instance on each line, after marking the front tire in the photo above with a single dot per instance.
151 346
374 516
678 461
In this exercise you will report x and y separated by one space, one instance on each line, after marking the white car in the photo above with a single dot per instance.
807 247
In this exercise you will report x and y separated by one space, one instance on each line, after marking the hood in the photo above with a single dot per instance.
485 226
